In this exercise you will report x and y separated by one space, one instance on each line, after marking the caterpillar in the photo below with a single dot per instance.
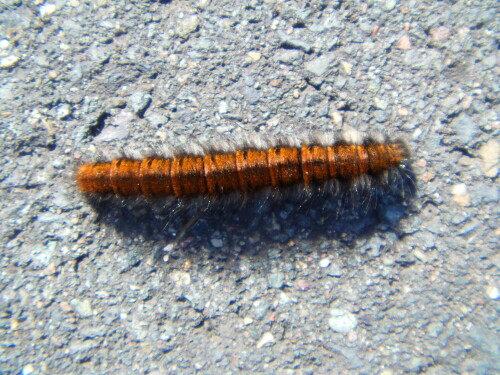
212 172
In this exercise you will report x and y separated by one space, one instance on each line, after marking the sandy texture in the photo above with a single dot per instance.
274 288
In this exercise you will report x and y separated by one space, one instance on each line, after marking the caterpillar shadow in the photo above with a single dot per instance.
236 226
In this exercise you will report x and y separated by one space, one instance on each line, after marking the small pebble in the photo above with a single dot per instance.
217 243
254 56
405 112
325 262
490 154
465 127
4 44
28 369
404 43
342 321
82 307
47 10
188 26
492 292
50 269
459 189
289 42
435 329
334 271
346 67
420 256
319 65
303 285
275 83
111 133
284 299
460 195
440 33
276 280
260 308
389 5
9 62
63 111
65 306
140 101
267 339
289 56
381 104
223 107
180 277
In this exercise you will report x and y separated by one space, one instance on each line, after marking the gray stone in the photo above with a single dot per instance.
260 308
92 332
451 104
140 101
289 42
486 193
381 104
465 127
79 347
334 270
374 245
435 329
313 99
111 133
381 116
423 58
139 330
156 119
168 332
82 307
320 65
251 95
351 355
188 25
42 60
276 280
7 92
217 243
127 261
415 365
99 54
44 254
387 5
63 111
289 57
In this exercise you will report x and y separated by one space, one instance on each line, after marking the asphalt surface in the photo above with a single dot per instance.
340 285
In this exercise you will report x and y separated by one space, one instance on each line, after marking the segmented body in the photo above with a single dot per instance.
244 170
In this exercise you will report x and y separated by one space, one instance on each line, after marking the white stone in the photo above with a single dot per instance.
47 10
325 262
459 189
492 292
342 321
4 44
267 339
9 62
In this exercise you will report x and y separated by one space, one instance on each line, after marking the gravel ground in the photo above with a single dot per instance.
324 290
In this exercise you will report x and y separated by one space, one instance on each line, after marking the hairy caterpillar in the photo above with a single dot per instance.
253 166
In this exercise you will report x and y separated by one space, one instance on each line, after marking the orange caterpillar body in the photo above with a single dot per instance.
245 169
